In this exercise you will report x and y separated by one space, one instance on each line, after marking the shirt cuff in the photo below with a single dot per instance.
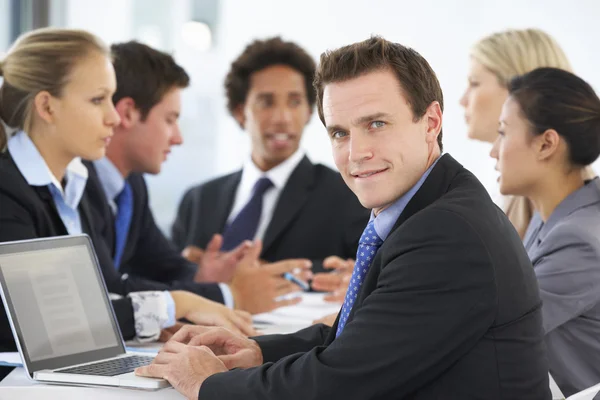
149 313
227 295
170 310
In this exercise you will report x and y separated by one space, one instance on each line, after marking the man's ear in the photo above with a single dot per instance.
238 114
433 116
129 113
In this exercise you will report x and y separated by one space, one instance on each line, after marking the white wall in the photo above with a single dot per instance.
4 25
109 19
441 30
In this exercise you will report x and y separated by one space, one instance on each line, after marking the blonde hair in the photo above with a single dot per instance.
508 54
40 60
517 52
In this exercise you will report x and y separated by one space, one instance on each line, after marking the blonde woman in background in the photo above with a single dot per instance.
494 61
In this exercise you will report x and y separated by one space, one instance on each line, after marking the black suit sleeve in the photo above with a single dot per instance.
434 299
124 284
124 313
275 347
156 259
155 254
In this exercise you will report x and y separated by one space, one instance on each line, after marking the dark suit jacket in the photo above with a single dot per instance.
28 212
150 261
316 216
449 309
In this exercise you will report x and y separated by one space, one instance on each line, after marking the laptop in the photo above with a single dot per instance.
61 316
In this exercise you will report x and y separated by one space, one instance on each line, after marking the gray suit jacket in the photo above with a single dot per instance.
565 252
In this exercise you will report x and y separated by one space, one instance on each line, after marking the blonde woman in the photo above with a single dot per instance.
494 60
56 94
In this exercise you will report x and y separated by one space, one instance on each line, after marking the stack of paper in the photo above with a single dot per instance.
292 318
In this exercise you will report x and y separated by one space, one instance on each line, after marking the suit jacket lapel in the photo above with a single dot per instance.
89 224
43 196
583 197
292 198
436 184
46 198
86 215
223 202
98 207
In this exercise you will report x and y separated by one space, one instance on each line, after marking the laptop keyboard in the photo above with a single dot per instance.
116 366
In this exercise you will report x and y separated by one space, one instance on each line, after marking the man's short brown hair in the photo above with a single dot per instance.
261 54
418 82
145 74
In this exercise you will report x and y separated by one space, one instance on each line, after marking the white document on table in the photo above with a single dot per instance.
312 307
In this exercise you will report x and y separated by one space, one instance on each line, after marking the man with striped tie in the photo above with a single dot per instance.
443 302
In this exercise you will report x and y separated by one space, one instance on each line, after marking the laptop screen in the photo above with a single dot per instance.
58 302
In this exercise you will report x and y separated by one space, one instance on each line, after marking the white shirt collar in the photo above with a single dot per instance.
279 175
250 175
33 166
34 169
110 178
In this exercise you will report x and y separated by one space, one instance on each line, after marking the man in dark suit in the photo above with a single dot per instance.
443 302
149 85
304 210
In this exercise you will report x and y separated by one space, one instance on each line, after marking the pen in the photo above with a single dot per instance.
297 281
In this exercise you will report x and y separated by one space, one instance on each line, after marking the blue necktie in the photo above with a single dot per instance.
124 201
369 243
245 224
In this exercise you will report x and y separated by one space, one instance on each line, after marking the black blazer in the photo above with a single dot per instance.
316 216
28 212
150 261
449 310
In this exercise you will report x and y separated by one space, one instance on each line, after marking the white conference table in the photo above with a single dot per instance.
283 320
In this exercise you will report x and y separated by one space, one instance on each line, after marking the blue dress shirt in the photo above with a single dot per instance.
384 222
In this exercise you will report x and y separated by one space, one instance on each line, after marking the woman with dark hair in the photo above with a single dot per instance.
549 131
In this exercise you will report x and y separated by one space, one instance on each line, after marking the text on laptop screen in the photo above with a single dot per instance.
61 319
